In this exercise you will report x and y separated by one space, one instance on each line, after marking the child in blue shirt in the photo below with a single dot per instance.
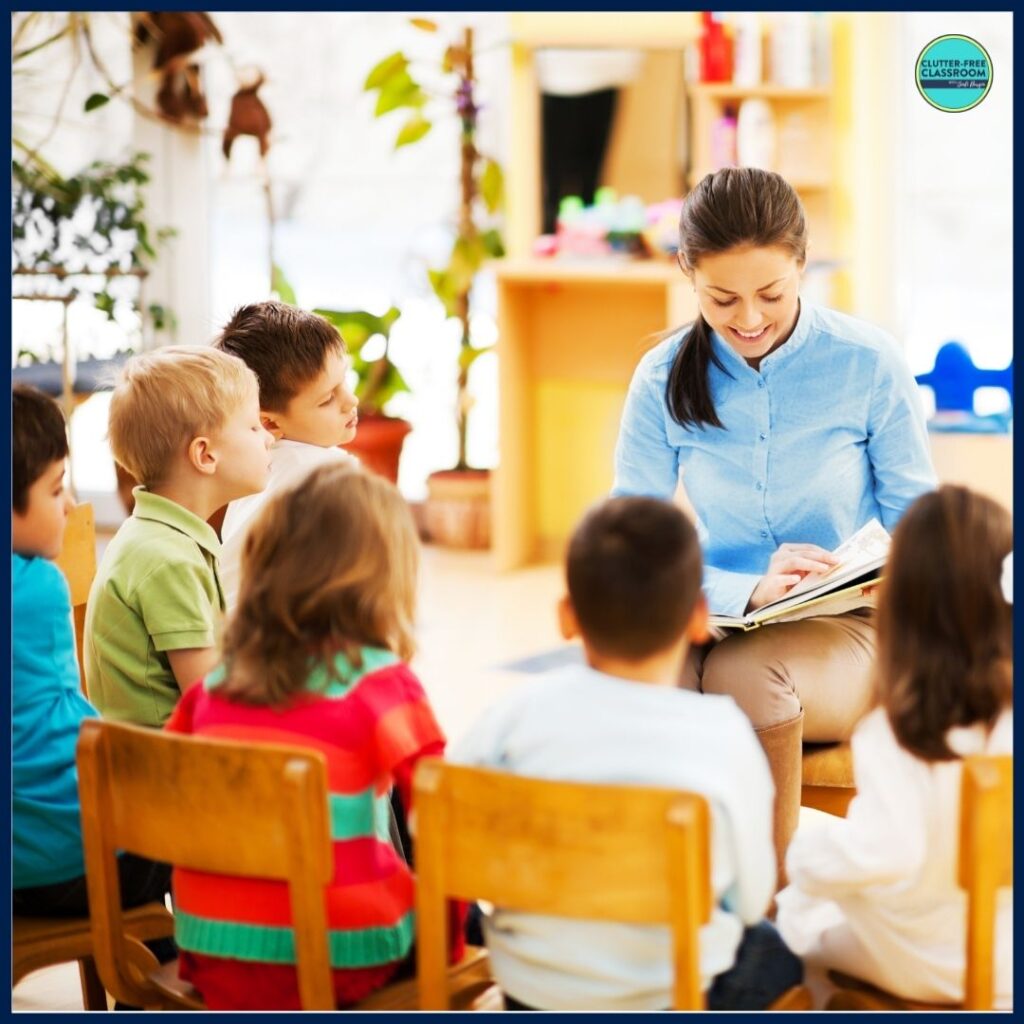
47 704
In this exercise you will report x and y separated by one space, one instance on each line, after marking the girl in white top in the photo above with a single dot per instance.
875 895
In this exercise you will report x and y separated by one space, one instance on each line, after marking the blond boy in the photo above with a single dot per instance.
185 422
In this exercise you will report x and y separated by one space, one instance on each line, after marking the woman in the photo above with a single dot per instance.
794 426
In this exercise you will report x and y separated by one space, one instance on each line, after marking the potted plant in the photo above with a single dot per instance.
457 511
378 442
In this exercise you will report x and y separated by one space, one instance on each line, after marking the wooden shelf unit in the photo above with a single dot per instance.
804 128
569 338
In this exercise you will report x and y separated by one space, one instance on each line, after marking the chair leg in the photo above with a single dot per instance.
94 995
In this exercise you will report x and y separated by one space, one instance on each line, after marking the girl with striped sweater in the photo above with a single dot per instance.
315 655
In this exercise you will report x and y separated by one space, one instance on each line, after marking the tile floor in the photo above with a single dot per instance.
481 634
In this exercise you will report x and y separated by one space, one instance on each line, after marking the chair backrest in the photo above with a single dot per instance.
77 560
609 853
986 865
255 810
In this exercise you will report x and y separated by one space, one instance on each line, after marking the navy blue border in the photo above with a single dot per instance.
1018 466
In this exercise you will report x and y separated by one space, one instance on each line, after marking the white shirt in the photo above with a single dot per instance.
875 894
580 725
289 460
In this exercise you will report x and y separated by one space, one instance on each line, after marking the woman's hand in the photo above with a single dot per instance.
788 566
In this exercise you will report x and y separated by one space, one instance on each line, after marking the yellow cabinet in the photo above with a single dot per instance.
570 336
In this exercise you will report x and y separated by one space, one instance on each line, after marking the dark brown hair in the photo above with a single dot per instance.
634 573
285 347
736 206
39 438
329 565
945 631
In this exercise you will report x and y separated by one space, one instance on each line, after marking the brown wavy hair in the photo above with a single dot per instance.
945 631
329 565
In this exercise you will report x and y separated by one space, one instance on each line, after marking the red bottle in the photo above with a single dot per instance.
715 51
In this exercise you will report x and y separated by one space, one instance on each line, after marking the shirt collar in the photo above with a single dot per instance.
792 345
170 513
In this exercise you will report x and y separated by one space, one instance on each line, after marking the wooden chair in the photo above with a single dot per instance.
39 942
604 853
828 783
77 561
185 800
986 866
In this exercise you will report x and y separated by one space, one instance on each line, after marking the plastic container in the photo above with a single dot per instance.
821 33
755 135
747 49
791 50
715 50
723 141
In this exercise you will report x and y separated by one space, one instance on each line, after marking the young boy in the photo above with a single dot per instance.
185 422
47 705
634 573
305 402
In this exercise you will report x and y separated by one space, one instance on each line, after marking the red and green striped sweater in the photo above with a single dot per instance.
372 722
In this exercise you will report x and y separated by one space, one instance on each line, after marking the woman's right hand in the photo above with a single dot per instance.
788 566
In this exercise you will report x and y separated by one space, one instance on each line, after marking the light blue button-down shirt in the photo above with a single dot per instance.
829 434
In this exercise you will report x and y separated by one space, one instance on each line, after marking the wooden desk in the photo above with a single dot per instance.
983 462
570 336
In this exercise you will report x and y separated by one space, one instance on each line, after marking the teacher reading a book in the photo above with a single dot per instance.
792 426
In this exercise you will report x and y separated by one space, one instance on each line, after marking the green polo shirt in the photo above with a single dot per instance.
156 590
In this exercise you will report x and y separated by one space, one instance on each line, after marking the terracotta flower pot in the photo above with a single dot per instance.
457 513
378 443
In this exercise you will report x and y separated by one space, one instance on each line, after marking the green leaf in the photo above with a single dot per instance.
444 288
104 302
357 326
399 91
412 131
469 355
95 101
424 23
467 258
384 70
492 186
492 243
279 284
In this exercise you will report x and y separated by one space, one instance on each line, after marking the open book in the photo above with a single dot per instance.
841 589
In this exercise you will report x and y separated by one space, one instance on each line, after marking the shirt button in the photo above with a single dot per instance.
760 486
760 383
763 437
764 533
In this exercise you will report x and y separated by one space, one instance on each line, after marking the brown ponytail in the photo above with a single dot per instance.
733 207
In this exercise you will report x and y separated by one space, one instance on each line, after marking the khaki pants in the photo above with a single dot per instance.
821 664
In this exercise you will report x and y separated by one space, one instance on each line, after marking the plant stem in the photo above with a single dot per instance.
467 230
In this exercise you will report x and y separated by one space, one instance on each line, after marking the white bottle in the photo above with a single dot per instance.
791 50
822 33
747 69
755 135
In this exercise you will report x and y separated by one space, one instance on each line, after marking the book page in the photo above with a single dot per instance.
865 547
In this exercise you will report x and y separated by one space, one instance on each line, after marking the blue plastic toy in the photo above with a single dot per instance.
954 378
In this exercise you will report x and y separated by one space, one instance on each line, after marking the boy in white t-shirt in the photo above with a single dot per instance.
634 597
299 359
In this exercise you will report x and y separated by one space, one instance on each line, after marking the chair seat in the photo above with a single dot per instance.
178 992
828 764
827 777
470 980
43 941
855 994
